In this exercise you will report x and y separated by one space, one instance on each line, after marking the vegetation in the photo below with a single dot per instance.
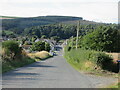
90 60
116 85
19 24
10 65
47 46
39 55
40 46
102 39
47 26
92 46
13 56
11 50
8 17
94 41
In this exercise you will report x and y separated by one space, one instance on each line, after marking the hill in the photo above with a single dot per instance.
35 21
8 17
50 26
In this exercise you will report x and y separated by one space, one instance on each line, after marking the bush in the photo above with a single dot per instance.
13 56
10 50
102 59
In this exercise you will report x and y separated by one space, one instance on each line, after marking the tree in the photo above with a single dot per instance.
102 39
56 38
47 46
43 36
38 46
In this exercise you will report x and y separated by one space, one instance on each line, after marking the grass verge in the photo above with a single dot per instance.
8 65
92 62
117 85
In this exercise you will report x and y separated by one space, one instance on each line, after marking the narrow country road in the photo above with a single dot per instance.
52 73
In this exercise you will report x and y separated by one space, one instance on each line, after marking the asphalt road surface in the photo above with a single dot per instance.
52 73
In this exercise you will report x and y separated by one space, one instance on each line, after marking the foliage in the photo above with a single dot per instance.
11 49
50 26
43 36
13 56
102 39
47 46
56 38
39 46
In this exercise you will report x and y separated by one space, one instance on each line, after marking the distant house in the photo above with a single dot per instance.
37 40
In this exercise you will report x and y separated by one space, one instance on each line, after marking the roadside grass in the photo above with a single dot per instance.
116 85
13 64
86 61
29 58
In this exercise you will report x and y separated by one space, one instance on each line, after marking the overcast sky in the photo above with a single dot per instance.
93 10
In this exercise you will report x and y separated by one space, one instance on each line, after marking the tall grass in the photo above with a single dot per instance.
40 55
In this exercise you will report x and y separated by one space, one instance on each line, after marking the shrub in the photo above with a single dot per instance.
13 56
11 50
102 59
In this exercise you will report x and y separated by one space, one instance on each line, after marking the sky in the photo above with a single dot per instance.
94 10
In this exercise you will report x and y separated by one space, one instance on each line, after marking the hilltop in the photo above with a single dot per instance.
9 22
8 17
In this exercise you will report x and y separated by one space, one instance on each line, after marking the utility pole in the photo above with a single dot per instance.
78 25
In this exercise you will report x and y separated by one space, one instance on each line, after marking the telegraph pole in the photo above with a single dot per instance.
78 25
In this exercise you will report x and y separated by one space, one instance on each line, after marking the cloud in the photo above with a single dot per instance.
97 10
40 1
